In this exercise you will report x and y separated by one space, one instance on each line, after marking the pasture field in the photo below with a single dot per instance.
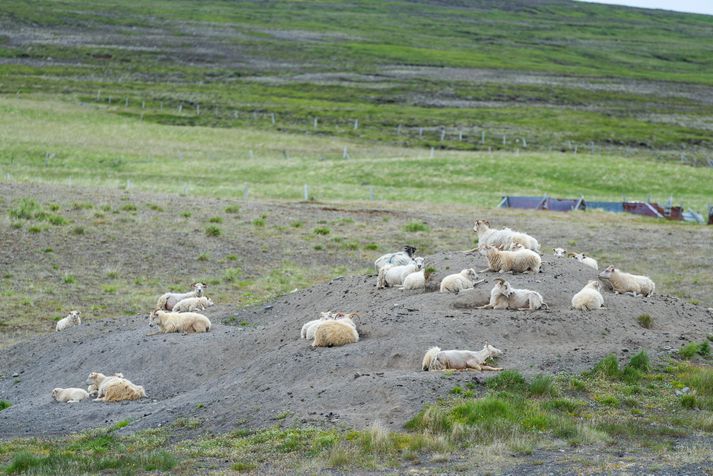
148 145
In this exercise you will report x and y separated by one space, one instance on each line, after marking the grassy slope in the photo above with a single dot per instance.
94 148
248 57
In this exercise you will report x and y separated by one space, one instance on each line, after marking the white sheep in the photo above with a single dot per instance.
589 298
69 395
633 284
193 304
179 321
71 319
504 296
398 258
168 300
586 260
310 327
395 275
335 333
437 359
504 237
455 283
559 252
114 388
520 260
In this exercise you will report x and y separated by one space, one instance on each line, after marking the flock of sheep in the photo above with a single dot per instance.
505 250
175 312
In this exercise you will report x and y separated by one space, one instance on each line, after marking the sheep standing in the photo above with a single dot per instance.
586 260
193 304
168 300
396 259
71 319
437 359
504 237
179 321
520 260
335 333
395 275
589 298
114 389
504 296
454 283
633 284
69 395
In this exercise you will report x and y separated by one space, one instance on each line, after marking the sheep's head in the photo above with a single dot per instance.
559 252
488 250
606 274
503 287
470 274
481 225
209 301
410 250
55 392
516 246
74 316
199 288
94 378
492 351
154 317
594 284
419 262
579 256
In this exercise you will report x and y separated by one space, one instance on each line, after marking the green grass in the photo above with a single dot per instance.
4 404
212 230
645 321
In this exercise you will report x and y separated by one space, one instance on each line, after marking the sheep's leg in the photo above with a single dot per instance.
472 364
487 306
153 334
485 270
487 367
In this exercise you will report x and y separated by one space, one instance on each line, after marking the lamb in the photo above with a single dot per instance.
633 284
396 259
586 260
417 279
179 321
504 237
455 283
518 261
395 275
437 359
72 319
504 296
193 304
309 329
559 252
335 333
69 395
114 389
168 300
589 298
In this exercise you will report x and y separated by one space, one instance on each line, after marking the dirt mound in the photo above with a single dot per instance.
252 369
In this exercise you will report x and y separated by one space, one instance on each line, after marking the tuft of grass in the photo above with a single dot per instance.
4 404
186 214
34 229
416 226
371 246
120 424
542 386
56 220
608 367
69 279
203 257
645 321
640 362
78 230
692 349
508 380
259 222
109 288
321 230
231 275
212 230
154 207
129 207
242 466
215 220
25 209
232 209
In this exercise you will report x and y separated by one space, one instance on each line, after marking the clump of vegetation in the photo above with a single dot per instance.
416 226
542 386
4 404
215 220
26 209
203 257
212 230
259 222
232 209
69 279
78 230
186 214
129 207
692 349
321 230
645 321
154 207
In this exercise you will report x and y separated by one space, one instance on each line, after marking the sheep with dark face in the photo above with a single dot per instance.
398 258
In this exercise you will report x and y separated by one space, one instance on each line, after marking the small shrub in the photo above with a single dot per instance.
321 230
215 220
318 247
186 214
212 231
640 361
416 226
232 209
54 207
203 257
129 207
25 209
260 222
645 321
542 386
688 401
608 367
509 380
69 279
371 246
57 220
34 229
78 230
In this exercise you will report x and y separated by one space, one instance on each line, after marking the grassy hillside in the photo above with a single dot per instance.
530 74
